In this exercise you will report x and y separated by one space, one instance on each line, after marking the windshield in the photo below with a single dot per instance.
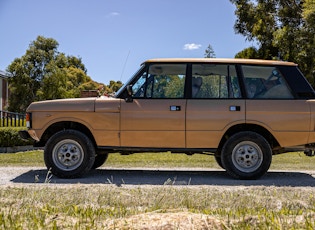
128 82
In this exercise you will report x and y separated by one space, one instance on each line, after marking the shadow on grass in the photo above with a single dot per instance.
120 177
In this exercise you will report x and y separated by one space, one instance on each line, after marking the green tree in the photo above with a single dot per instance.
306 56
175 87
282 29
257 22
250 52
209 52
114 86
53 85
44 73
28 72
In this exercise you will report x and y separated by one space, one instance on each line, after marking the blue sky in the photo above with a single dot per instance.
113 37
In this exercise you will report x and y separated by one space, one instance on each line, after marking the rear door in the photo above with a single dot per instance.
216 104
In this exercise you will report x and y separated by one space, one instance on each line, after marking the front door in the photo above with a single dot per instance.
153 123
155 118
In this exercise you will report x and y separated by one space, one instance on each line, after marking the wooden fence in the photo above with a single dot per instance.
10 119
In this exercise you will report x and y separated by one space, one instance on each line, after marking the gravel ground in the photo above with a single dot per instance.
162 176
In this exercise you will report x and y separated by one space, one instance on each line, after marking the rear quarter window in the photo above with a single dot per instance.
265 82
298 83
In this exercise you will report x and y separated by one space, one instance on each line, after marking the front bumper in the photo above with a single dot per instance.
24 134
27 134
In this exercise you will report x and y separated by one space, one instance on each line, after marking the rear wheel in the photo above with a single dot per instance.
69 154
246 155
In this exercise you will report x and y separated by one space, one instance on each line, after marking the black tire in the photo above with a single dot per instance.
219 161
246 155
69 154
100 160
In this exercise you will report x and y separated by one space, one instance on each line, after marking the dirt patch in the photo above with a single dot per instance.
166 221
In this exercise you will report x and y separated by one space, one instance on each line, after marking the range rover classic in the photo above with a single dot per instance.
241 111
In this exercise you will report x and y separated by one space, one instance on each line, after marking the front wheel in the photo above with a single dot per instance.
246 155
69 154
219 161
100 160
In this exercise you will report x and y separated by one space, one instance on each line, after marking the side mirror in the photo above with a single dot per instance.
129 92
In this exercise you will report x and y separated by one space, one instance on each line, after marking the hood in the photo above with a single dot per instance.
72 104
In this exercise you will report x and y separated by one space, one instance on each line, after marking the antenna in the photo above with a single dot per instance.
123 70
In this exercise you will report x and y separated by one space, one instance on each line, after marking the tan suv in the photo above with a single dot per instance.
241 111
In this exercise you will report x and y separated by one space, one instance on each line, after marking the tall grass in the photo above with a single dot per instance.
109 207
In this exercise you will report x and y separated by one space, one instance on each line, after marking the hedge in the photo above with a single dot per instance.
9 137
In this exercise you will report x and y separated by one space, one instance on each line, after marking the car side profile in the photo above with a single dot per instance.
241 111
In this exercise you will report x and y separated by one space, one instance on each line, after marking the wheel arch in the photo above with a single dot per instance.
248 127
65 125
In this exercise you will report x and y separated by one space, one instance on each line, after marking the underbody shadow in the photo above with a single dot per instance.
169 177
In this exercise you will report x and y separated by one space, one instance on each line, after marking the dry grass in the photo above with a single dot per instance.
155 207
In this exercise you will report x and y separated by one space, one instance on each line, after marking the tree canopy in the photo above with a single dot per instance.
45 73
282 29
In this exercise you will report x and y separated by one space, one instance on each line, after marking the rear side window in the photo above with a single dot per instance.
265 82
215 81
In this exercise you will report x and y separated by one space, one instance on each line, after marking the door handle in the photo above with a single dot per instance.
175 108
235 108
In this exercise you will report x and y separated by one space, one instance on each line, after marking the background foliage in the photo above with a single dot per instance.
281 29
9 137
44 73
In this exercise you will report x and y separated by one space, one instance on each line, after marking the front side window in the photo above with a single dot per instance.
161 81
214 81
138 88
265 82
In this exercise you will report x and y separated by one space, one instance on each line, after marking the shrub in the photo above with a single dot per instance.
9 137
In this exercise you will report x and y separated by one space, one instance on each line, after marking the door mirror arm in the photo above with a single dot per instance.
129 94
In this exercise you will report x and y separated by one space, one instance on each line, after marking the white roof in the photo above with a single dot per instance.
4 74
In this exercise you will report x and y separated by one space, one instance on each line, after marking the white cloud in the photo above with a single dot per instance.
192 46
113 14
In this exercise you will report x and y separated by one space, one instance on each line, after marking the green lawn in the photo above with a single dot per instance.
290 161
